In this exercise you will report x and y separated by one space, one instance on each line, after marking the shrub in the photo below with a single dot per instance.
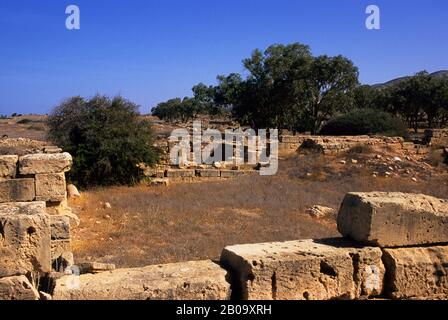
106 138
24 121
365 121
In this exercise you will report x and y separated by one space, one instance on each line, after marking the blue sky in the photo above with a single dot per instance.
149 51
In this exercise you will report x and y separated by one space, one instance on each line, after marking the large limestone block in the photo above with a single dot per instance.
50 187
181 173
8 166
60 227
45 163
417 273
208 173
17 288
394 219
17 190
304 270
200 280
24 239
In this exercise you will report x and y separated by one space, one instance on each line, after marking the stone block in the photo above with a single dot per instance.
17 288
181 173
304 270
24 239
50 187
8 166
417 273
394 219
208 173
45 163
199 280
60 227
17 190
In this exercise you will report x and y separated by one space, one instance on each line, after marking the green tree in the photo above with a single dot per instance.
288 88
106 137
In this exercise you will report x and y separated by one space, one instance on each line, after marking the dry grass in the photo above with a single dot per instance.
190 221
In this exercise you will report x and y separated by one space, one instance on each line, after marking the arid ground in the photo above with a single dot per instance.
195 220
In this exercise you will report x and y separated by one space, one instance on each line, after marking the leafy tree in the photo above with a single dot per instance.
365 121
330 84
288 88
106 137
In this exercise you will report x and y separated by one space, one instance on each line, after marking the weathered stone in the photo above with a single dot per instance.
8 166
320 211
394 219
72 191
200 280
50 187
95 267
60 227
306 269
181 173
61 255
417 273
208 173
225 174
62 208
24 239
17 190
159 182
45 163
58 247
17 288
52 149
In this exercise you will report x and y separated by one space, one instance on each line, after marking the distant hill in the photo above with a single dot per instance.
439 74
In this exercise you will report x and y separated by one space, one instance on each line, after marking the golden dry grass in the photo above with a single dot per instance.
191 221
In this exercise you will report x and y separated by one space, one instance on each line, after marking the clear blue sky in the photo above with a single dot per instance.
150 51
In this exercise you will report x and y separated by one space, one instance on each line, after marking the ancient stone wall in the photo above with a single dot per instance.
393 245
330 145
34 221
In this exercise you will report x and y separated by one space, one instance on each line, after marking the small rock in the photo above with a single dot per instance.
45 296
378 156
397 159
320 211
354 161
107 206
72 191
414 179
342 162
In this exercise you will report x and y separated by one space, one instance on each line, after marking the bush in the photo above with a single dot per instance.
106 138
24 121
365 121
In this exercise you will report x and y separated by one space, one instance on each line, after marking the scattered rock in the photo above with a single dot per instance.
107 205
45 296
95 267
72 191
17 288
320 211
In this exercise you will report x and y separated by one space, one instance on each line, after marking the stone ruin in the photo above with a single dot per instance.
332 145
34 221
393 246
